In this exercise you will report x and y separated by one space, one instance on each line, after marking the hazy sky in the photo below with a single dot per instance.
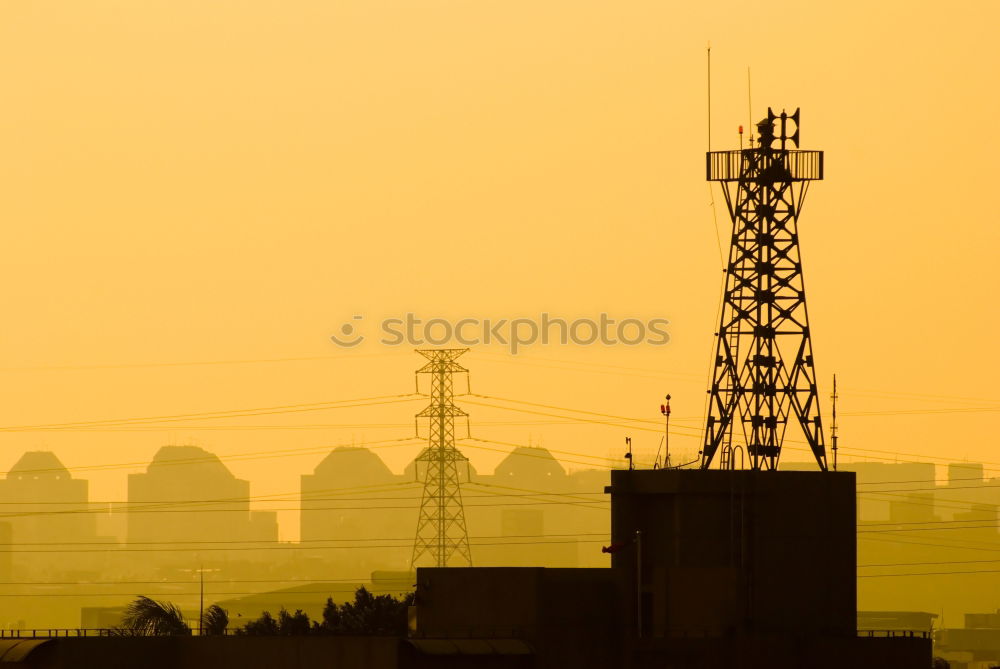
212 182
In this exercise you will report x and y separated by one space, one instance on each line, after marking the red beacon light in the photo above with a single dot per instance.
741 130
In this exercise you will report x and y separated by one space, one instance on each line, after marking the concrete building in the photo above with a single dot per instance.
719 553
532 616
974 646
881 622
888 491
710 569
908 514
352 495
537 514
188 500
47 512
288 652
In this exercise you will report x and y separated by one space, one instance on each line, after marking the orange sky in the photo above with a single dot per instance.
230 181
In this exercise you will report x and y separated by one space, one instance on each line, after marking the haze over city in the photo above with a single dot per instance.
201 199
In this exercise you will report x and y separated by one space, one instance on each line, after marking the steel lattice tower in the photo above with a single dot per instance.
763 375
441 531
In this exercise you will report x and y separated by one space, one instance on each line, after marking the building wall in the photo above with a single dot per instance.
570 617
218 653
724 552
187 499
48 515
351 514
51 502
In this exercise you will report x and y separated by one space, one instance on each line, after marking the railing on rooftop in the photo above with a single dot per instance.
56 632
61 632
896 634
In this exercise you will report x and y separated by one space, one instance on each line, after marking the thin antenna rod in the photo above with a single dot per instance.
665 410
749 108
709 96
833 428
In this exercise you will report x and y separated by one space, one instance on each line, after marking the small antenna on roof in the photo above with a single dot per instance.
833 427
709 54
665 410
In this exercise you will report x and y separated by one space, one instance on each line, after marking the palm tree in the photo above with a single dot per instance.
214 621
148 617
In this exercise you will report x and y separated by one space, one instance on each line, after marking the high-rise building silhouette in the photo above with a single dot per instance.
47 510
189 498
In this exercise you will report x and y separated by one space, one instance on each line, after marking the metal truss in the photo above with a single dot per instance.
442 538
764 375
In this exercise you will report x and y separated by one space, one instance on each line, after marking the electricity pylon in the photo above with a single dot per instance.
764 376
441 531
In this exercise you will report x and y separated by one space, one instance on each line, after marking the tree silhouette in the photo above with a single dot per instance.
287 624
266 625
368 614
148 617
214 621
292 624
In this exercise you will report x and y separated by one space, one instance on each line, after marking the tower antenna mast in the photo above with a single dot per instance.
764 375
833 424
709 54
441 531
665 410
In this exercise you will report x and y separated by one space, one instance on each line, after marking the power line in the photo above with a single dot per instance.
915 564
231 413
299 508
195 363
582 365
931 573
301 541
169 503
938 544
280 593
251 455
283 547
929 529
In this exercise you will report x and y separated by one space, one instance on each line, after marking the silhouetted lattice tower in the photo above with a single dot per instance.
764 375
441 531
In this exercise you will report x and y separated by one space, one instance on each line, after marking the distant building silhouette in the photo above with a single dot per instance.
188 498
531 466
353 496
908 515
47 510
537 513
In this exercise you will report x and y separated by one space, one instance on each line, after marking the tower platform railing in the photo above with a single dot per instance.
728 165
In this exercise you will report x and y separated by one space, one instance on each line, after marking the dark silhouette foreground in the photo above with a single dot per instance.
367 615
148 617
